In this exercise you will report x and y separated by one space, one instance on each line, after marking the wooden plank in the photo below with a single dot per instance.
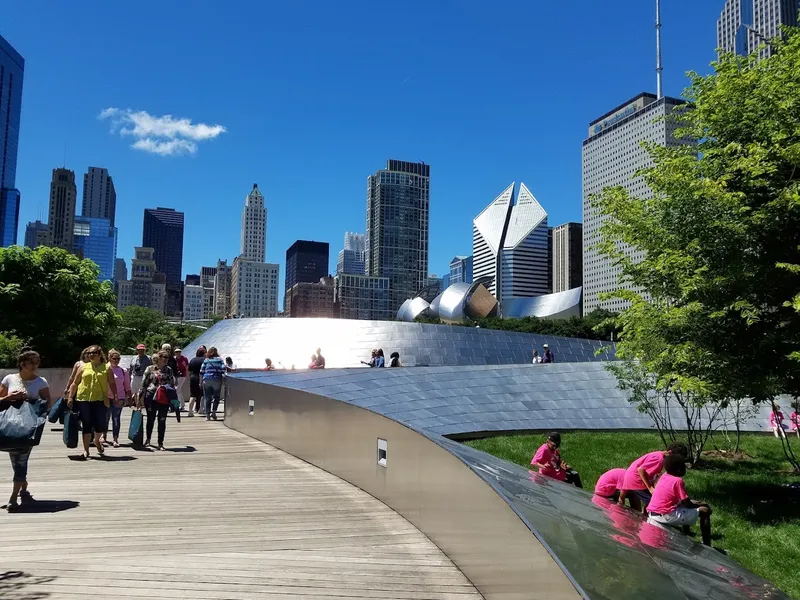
219 516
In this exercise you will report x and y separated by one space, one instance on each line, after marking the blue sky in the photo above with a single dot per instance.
315 95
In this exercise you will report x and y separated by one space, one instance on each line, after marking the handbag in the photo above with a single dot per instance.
22 423
71 424
136 429
167 394
56 413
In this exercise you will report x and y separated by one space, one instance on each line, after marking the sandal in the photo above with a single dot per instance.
116 444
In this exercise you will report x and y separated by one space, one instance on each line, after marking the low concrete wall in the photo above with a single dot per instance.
422 481
56 378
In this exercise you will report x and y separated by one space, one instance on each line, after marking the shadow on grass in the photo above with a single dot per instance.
758 502
18 585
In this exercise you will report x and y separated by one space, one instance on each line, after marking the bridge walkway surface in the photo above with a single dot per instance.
216 516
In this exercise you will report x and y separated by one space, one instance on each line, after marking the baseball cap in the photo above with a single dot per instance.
554 437
177 350
141 347
546 346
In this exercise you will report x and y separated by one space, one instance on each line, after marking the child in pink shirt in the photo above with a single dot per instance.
671 506
776 422
795 421
609 483
548 460
640 477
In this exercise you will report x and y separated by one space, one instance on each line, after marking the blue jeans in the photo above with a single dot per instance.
115 414
211 392
19 463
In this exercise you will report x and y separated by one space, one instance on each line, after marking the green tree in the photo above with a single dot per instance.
720 238
52 300
139 325
10 346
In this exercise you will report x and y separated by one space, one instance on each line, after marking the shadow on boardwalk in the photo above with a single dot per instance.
18 585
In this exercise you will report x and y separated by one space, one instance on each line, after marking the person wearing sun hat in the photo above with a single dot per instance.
547 355
139 363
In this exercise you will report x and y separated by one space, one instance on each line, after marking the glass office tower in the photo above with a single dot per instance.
398 209
163 231
96 240
743 25
12 67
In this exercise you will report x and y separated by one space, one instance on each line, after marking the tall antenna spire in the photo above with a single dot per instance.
659 68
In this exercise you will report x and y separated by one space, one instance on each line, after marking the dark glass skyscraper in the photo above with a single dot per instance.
163 231
306 262
398 204
12 67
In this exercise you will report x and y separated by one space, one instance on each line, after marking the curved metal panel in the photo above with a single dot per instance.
513 533
345 343
480 303
434 308
561 305
402 312
452 302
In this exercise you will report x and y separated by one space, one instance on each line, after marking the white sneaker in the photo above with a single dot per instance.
190 414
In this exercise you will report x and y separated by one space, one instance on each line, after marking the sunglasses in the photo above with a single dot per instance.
93 353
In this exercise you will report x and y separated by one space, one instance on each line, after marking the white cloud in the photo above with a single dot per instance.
165 135
165 148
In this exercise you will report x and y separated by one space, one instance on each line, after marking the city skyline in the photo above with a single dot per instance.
431 129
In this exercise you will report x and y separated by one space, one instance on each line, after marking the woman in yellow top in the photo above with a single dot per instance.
92 388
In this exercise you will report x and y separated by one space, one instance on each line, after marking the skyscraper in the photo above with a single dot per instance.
163 231
509 244
254 288
743 25
254 226
567 247
120 270
398 207
222 288
306 262
61 219
361 297
96 240
612 154
12 68
36 234
146 287
351 259
99 195
460 270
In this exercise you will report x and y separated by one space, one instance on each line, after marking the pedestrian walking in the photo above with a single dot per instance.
212 372
196 400
138 365
157 408
90 393
122 383
21 386
183 370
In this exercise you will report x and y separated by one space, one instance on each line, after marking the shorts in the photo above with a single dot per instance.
195 390
19 462
677 518
644 496
94 416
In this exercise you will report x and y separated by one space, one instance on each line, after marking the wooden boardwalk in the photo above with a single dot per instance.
217 516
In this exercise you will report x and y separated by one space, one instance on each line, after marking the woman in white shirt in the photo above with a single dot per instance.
25 385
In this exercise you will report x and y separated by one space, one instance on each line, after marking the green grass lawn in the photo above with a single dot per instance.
754 519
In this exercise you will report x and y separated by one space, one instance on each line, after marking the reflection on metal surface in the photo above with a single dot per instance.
452 302
560 305
514 534
434 308
345 343
412 308
481 303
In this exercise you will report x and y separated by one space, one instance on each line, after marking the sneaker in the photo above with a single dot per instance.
213 416
208 418
12 506
116 444
161 448
190 414
147 443
25 497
